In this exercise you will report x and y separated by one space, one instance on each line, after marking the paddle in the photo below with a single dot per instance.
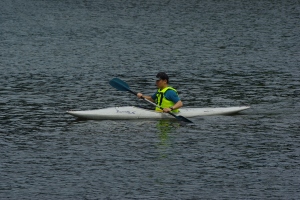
122 86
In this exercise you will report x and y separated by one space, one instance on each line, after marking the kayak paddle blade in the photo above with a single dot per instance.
119 84
181 118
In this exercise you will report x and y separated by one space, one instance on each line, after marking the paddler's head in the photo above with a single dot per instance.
162 80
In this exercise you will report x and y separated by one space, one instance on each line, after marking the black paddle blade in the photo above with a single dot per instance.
119 84
181 118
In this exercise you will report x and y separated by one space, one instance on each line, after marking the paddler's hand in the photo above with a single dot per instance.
139 95
166 110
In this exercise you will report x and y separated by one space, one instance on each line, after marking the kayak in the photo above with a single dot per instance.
133 112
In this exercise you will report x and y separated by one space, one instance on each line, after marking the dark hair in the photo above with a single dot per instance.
163 76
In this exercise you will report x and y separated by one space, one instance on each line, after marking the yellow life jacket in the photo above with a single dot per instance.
162 101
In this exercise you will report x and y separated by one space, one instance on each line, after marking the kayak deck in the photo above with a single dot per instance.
133 112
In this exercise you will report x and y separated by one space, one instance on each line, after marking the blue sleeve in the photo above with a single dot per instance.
154 96
172 96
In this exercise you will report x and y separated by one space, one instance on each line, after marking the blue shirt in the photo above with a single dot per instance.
170 95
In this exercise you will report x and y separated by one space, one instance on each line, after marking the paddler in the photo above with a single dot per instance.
166 96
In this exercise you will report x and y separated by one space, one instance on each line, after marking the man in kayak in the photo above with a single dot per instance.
166 96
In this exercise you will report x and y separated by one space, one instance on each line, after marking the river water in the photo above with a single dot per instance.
60 55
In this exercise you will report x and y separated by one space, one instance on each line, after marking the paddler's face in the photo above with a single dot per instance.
161 83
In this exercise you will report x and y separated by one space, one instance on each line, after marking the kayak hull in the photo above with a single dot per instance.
132 112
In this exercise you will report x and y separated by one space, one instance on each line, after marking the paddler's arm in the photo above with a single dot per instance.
140 95
177 105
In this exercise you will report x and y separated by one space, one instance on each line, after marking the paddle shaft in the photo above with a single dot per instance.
177 117
161 108
146 99
158 106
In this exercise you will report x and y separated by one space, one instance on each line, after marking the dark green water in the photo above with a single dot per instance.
60 55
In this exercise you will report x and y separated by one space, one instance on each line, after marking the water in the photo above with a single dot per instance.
60 55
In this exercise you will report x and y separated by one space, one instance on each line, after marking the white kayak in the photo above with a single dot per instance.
132 112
